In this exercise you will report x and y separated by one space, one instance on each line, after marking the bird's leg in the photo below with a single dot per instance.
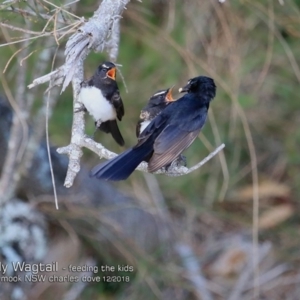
97 126
178 162
98 123
181 160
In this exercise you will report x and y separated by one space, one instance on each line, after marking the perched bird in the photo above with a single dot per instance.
155 105
168 134
100 96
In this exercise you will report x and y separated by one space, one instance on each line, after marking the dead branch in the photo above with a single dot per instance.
112 45
14 28
92 35
102 152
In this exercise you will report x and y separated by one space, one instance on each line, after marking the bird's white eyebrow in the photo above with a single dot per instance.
105 66
159 93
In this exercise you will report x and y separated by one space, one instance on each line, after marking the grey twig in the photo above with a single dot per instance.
14 28
112 45
270 275
92 35
243 280
73 150
83 140
193 272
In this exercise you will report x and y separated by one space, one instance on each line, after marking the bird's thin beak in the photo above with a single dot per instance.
184 89
169 97
111 73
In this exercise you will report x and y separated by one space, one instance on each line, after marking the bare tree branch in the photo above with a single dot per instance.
102 152
91 36
14 28
112 45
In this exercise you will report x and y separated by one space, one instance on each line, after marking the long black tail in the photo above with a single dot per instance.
112 127
120 167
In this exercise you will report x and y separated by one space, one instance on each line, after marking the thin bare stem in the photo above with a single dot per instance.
19 29
58 32
92 35
8 62
49 153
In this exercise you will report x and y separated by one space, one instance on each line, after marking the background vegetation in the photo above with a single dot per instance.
251 49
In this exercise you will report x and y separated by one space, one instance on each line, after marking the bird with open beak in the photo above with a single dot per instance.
100 96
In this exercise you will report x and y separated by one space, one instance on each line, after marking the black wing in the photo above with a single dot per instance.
174 139
112 127
169 145
118 104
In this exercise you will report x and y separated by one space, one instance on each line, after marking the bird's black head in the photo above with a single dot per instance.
160 97
107 70
200 85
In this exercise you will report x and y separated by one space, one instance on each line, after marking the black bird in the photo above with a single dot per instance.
156 104
100 96
168 134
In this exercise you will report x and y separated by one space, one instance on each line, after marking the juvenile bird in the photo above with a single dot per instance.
168 134
155 105
100 96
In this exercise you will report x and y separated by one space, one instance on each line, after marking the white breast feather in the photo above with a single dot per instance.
96 104
144 125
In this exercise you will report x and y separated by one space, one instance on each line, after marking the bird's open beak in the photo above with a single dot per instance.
111 73
169 97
